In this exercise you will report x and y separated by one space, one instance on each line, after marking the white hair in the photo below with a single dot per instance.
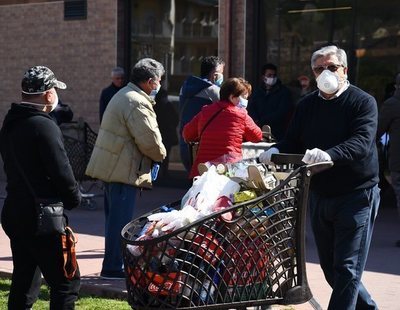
117 71
327 51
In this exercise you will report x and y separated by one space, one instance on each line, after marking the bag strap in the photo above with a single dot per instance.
209 121
19 168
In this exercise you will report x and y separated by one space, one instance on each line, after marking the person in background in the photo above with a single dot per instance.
117 82
31 144
338 124
128 143
389 123
306 85
197 92
271 103
223 126
168 119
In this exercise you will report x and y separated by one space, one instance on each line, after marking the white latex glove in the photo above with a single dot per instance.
316 156
265 157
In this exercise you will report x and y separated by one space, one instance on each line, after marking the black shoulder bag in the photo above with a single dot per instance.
50 217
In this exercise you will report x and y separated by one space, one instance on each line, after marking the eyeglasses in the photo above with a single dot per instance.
332 68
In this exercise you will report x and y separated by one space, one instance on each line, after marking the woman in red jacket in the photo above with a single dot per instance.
223 126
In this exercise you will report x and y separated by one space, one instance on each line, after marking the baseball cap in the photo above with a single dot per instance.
40 79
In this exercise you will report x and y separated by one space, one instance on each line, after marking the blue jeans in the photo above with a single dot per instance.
118 212
342 227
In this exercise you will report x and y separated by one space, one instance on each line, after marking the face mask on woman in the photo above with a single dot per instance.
242 103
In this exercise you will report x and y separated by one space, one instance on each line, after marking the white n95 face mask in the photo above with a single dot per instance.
328 82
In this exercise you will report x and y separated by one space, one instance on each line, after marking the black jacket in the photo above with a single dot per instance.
33 139
105 97
389 121
273 107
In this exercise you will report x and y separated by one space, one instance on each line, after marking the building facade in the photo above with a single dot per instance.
82 40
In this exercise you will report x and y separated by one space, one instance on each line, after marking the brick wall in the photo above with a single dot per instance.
80 52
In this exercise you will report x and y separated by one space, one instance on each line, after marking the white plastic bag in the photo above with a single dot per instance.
207 189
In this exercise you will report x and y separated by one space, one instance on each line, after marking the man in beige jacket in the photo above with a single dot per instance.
128 143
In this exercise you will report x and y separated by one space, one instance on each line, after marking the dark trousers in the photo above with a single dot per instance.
342 227
31 253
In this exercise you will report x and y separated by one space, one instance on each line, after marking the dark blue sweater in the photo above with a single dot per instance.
344 127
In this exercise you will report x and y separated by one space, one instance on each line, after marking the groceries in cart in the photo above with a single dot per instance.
233 240
218 187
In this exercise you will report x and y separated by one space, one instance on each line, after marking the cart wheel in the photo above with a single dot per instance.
89 204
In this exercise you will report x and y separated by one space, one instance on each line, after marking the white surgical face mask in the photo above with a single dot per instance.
242 103
55 103
154 92
270 81
220 79
328 82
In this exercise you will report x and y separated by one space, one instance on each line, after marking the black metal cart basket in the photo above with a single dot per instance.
255 259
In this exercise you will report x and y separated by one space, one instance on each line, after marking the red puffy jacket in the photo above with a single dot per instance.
224 135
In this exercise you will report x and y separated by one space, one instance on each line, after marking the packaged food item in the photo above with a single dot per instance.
221 169
244 196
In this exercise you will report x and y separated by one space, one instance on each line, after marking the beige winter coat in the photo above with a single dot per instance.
128 141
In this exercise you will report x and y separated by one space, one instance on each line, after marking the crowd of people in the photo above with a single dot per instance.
330 121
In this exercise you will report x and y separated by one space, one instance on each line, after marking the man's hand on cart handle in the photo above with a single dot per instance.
316 156
265 157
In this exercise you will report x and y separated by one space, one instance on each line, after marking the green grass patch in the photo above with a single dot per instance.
85 302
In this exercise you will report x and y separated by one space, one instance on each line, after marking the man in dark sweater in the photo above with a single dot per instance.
118 81
338 123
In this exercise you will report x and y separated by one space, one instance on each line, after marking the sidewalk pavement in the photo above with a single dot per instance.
381 277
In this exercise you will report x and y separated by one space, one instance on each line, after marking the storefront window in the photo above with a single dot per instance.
178 33
369 33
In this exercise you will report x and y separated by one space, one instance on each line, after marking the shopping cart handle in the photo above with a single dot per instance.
282 159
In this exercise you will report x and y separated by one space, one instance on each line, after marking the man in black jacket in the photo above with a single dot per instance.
32 149
271 103
338 123
117 82
389 122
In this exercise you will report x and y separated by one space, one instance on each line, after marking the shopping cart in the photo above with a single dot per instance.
256 259
79 140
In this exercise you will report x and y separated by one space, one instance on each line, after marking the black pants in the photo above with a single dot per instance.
29 253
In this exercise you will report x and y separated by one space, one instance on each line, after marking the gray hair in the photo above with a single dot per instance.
146 68
117 71
327 51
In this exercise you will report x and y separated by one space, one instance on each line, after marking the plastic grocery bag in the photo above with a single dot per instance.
207 188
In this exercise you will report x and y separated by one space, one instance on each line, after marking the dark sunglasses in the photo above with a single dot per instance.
332 68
